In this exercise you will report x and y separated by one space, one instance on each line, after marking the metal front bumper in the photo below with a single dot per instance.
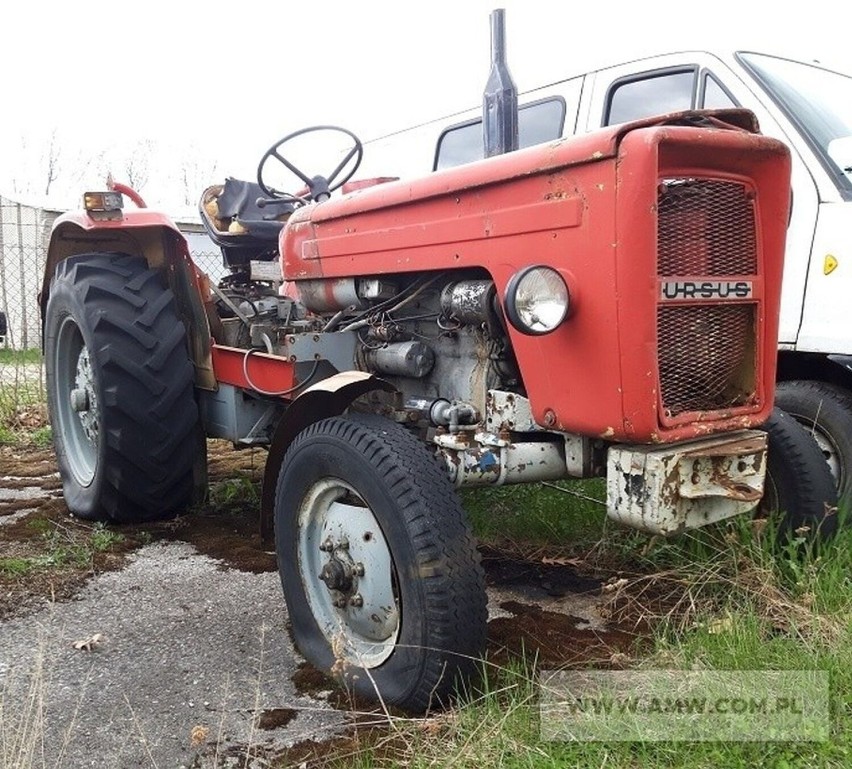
666 489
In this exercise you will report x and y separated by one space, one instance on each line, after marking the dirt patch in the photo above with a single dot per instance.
227 526
12 506
26 462
276 718
552 575
385 748
230 537
308 680
556 640
48 556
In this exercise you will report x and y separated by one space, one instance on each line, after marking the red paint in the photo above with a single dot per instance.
128 191
133 218
587 207
270 373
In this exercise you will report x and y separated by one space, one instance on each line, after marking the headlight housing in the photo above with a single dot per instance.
537 300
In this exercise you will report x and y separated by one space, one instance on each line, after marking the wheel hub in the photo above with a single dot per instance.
340 574
337 576
83 398
348 574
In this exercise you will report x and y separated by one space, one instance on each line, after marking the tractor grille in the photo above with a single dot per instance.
706 348
706 227
706 357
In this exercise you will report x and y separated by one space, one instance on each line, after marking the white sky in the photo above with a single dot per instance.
189 83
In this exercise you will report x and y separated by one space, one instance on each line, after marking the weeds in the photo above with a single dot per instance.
729 597
22 397
234 492
62 546
22 716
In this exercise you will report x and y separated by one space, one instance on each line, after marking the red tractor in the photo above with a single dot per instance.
600 306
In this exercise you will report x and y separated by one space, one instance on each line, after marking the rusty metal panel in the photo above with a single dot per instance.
666 490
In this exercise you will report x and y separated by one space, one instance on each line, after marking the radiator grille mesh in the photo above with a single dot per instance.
706 357
706 350
706 228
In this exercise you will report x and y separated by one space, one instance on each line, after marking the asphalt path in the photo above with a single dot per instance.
184 659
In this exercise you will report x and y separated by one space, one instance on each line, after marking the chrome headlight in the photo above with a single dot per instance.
537 300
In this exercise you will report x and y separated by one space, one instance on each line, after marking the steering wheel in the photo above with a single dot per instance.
319 187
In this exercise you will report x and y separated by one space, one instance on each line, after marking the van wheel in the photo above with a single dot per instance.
119 390
380 572
825 411
799 490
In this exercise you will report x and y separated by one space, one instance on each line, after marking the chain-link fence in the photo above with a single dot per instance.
24 231
24 237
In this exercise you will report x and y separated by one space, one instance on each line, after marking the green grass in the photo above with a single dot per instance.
569 513
7 436
232 494
727 597
61 546
14 357
22 399
42 437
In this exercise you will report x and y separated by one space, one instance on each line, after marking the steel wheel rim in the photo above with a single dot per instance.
829 451
339 536
77 408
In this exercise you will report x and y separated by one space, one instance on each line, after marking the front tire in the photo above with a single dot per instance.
799 490
379 568
825 411
119 390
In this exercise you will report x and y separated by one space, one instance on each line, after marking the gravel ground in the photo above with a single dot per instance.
190 656
192 664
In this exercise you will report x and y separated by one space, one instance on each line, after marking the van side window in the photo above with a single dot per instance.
538 122
652 93
715 96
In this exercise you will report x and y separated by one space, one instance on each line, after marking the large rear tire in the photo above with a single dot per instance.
799 490
120 390
825 411
380 571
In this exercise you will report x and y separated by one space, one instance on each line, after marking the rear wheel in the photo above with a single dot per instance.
825 411
120 390
379 567
799 490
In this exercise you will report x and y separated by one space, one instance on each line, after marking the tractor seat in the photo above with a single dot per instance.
232 217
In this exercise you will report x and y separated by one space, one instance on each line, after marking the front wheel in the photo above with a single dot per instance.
799 491
379 568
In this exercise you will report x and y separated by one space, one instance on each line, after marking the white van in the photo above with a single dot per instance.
803 104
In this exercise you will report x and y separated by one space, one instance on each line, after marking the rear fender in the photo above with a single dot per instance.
325 399
154 237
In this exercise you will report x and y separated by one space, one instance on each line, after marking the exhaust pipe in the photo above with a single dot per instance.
500 100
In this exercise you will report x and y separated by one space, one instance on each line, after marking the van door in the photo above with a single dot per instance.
699 80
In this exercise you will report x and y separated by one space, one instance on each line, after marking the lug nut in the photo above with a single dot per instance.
356 600
327 546
340 603
359 569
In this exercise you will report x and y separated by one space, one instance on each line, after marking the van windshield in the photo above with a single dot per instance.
819 102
